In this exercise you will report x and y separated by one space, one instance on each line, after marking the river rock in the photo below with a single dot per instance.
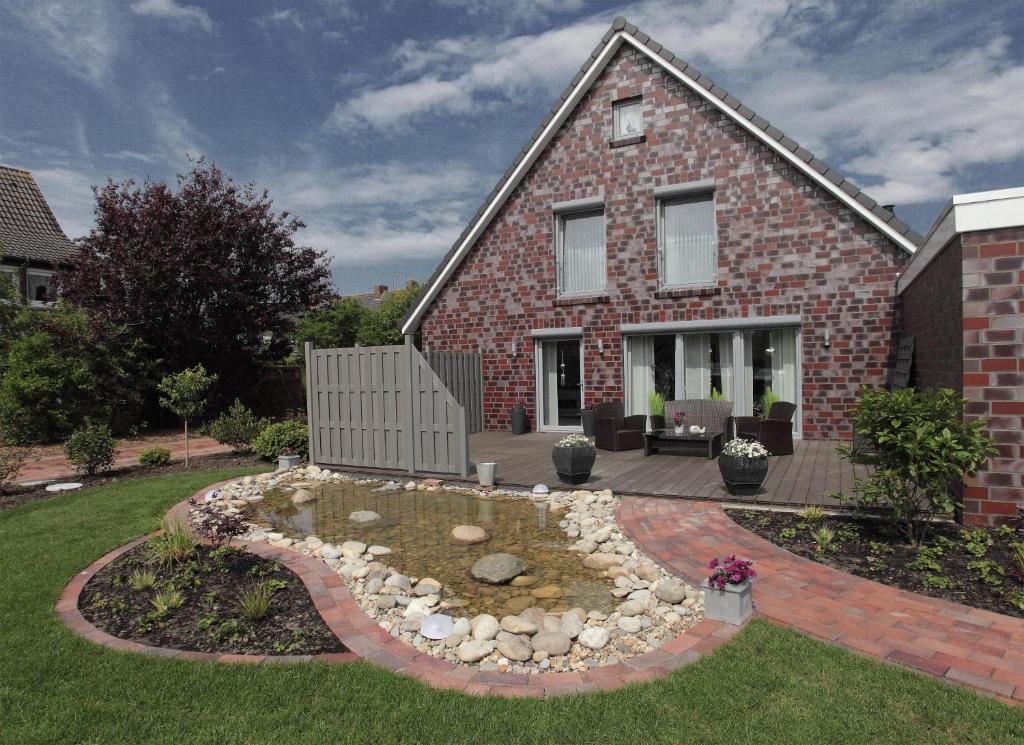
571 625
523 580
516 625
473 650
534 615
515 649
378 550
301 496
462 627
553 642
549 592
648 572
364 517
594 637
670 591
498 568
485 627
353 549
630 624
398 580
467 535
519 603
601 560
327 551
631 608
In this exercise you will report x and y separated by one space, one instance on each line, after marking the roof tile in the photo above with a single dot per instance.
28 229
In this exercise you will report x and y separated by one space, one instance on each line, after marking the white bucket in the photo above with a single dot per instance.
485 473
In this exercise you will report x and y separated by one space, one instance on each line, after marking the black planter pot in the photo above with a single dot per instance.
518 421
589 417
657 422
742 476
573 465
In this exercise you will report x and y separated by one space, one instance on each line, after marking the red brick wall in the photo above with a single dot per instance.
786 247
993 323
931 309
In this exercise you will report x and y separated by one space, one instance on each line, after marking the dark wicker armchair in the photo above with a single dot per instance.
616 431
774 431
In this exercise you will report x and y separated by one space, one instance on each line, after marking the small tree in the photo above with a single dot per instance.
184 394
384 325
333 325
924 447
91 447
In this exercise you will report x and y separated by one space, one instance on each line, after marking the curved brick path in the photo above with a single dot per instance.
965 645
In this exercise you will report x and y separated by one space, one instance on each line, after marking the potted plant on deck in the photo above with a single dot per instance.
517 418
588 415
744 465
727 594
656 411
574 458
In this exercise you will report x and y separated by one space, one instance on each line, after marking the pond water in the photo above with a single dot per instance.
416 525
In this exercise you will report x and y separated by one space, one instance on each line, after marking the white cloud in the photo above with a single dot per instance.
378 211
69 194
80 33
183 15
285 17
515 10
173 134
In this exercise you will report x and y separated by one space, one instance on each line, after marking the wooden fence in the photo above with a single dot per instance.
462 374
383 407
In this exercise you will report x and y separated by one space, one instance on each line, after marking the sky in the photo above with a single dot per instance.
383 125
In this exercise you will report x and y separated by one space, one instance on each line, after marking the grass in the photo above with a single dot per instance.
767 686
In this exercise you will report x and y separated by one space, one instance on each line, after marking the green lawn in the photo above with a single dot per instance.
767 686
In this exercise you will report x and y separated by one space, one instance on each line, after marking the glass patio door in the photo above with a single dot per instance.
770 368
559 384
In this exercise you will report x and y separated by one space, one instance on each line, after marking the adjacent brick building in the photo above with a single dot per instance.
962 298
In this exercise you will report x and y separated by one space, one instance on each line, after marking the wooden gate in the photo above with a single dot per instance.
383 407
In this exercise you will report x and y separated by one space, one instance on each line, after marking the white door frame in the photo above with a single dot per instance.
538 369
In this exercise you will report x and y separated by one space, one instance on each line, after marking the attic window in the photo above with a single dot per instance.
628 119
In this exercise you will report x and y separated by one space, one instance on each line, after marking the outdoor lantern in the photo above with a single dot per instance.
828 340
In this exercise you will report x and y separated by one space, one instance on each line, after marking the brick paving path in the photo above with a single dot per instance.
963 645
947 640
50 462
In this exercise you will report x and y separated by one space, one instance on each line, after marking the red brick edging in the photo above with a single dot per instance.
954 642
367 640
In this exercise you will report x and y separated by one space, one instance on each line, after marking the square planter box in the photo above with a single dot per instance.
732 605
288 461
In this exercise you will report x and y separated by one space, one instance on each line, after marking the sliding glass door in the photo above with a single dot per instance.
559 384
747 367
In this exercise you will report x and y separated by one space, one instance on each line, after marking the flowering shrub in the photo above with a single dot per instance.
215 526
740 448
729 571
574 441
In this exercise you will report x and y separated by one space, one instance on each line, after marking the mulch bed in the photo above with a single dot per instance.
18 495
973 566
209 619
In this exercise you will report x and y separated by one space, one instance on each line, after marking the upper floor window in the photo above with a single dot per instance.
39 287
628 119
580 252
12 275
687 240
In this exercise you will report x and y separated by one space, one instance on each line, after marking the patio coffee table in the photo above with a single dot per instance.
667 441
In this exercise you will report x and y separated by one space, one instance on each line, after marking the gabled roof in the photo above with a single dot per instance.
28 229
623 32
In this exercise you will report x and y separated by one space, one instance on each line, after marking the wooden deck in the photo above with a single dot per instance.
804 478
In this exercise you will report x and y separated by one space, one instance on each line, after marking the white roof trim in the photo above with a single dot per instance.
558 119
965 213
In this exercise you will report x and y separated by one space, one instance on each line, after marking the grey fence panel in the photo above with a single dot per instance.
385 407
462 374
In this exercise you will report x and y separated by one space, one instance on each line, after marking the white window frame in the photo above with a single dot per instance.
685 196
617 108
14 275
560 217
48 274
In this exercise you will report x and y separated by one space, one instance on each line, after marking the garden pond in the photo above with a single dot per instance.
416 526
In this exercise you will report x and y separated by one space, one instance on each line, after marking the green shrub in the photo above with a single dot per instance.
142 579
237 427
90 447
923 446
155 457
291 435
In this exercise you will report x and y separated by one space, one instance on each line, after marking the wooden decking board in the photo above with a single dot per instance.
797 480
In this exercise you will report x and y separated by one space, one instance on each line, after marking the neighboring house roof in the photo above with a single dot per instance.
28 229
369 300
623 32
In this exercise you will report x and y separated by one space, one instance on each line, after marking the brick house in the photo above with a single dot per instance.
962 299
32 244
655 234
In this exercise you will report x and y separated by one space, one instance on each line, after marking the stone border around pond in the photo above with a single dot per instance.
653 605
367 640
